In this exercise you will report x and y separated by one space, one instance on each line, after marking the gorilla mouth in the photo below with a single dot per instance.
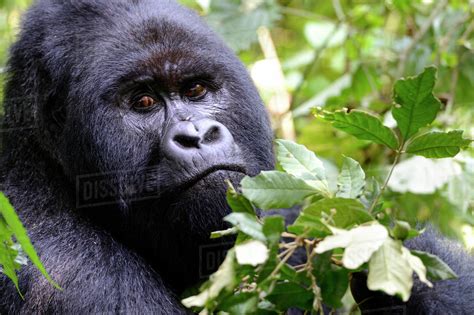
236 168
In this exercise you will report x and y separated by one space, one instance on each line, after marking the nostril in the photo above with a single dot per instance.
212 135
187 141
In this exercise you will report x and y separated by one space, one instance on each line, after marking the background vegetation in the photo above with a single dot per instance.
348 53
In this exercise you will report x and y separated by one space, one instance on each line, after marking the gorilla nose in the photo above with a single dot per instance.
205 138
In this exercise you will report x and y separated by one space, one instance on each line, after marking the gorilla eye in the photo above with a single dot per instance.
195 92
145 102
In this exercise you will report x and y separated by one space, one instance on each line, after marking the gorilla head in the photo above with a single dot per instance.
142 102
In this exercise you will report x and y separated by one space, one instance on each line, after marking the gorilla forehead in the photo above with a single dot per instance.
116 41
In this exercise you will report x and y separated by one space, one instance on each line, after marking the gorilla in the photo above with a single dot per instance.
122 120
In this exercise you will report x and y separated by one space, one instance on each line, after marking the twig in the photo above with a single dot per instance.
283 261
382 189
419 36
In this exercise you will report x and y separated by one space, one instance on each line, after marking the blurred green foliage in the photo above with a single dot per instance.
348 53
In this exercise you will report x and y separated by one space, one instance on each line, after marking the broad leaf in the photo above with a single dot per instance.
351 180
436 269
246 223
288 294
344 213
359 243
241 303
274 189
417 265
362 125
21 236
273 226
416 105
332 280
222 279
237 202
310 226
297 160
389 271
438 144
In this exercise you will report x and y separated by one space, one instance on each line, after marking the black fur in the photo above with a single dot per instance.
146 237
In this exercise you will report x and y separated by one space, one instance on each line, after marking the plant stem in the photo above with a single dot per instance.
385 184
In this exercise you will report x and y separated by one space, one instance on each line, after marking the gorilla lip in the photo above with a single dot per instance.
215 168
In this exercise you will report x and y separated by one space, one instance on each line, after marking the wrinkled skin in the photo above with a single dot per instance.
119 198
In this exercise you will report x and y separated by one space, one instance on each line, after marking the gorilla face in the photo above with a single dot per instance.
157 102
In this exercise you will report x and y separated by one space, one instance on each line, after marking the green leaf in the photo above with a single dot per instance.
274 189
362 125
417 106
222 233
8 254
435 267
389 271
344 213
246 223
359 243
237 202
309 226
241 303
332 280
289 294
296 160
273 226
21 236
438 144
351 180
222 279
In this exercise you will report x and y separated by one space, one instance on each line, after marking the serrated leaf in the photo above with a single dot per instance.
274 189
359 243
246 223
222 279
417 106
389 271
21 236
297 160
362 125
251 253
344 213
351 180
438 144
436 269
